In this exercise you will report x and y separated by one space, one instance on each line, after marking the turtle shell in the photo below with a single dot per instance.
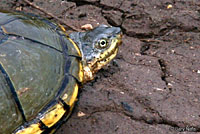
40 70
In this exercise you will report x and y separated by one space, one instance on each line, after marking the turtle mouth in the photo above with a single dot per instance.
93 67
109 56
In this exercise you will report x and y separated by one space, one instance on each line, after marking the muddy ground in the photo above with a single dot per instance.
153 86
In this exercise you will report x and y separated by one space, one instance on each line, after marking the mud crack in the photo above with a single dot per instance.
97 4
156 119
164 73
163 121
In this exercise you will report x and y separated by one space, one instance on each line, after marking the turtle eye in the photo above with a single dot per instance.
102 43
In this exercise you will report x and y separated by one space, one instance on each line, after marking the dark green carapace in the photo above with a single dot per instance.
41 69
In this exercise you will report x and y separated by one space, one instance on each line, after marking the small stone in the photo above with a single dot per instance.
169 84
198 71
19 8
115 63
117 127
192 48
196 100
87 27
169 6
121 92
158 89
137 54
81 114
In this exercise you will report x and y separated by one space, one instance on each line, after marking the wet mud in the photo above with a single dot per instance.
153 85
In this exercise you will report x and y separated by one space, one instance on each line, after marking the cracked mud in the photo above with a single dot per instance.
153 85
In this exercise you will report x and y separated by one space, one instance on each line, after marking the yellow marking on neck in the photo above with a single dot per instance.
81 72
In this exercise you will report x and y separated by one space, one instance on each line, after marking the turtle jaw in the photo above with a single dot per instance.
91 69
108 57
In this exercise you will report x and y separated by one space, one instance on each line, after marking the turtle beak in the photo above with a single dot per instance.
118 33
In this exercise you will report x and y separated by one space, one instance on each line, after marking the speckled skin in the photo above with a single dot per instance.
88 41
98 46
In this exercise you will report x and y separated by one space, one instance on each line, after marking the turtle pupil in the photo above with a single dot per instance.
103 43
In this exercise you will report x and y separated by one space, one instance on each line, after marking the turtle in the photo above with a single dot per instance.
42 69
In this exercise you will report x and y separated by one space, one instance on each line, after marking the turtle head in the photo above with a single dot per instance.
98 47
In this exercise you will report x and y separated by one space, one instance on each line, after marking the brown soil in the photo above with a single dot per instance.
153 86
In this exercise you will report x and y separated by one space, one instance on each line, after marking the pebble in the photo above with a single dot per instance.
81 114
198 71
169 6
87 27
121 92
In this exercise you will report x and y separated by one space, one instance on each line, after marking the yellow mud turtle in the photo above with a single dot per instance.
41 68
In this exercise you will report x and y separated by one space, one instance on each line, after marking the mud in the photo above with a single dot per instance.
153 85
